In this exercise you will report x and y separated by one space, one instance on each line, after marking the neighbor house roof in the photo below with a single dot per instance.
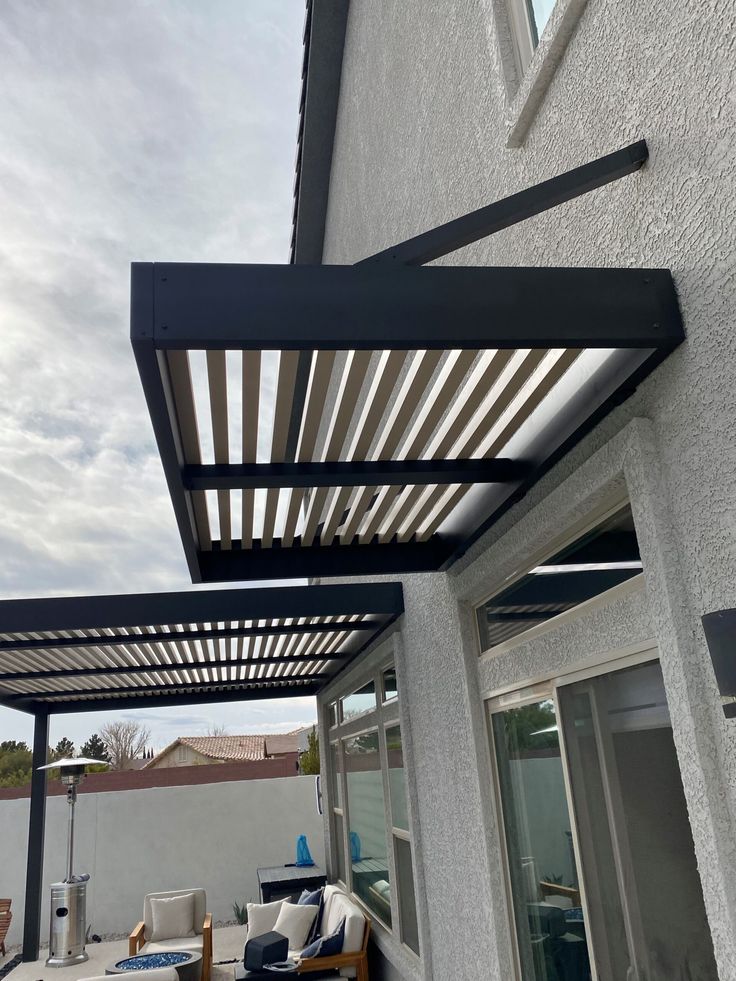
248 746
282 742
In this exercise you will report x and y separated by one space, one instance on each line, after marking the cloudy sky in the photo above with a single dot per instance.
131 130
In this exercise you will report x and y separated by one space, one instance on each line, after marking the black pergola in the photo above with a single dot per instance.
85 654
412 403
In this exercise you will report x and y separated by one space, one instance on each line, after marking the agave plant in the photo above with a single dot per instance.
241 912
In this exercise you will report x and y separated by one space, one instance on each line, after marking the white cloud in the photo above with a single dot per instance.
136 130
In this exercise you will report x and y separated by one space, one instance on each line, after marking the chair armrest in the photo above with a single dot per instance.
308 964
135 940
207 936
206 946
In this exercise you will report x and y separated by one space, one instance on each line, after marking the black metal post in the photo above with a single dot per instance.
36 830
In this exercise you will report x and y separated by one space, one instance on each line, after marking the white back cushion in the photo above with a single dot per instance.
200 908
295 922
172 917
262 917
342 906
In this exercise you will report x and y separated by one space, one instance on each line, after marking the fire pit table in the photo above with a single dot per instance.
187 963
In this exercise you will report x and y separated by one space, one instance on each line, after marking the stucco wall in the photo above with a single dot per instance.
421 138
214 836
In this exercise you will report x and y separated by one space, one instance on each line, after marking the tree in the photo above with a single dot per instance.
13 746
94 749
309 760
124 741
531 727
64 749
15 764
216 729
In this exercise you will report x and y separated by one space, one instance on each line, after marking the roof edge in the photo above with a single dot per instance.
324 43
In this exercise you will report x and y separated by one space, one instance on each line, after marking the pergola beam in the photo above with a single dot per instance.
175 668
373 307
159 698
200 606
517 207
312 561
173 636
214 687
353 473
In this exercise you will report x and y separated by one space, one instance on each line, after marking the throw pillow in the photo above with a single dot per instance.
172 917
316 898
327 946
262 916
295 922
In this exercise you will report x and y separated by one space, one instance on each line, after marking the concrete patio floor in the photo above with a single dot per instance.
227 943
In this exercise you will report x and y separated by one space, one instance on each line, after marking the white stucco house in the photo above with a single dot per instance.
499 382
570 773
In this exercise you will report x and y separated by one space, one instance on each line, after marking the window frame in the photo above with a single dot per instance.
538 557
383 716
526 82
523 33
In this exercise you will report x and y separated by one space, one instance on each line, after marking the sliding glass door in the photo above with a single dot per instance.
602 876
648 917
543 875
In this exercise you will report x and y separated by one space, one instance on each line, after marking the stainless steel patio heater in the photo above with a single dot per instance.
68 934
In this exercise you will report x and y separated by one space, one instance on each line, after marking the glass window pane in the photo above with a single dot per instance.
339 847
407 901
544 880
367 818
539 13
390 689
335 781
332 714
397 786
362 700
597 561
636 845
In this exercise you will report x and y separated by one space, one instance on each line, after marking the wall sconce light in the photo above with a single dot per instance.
720 632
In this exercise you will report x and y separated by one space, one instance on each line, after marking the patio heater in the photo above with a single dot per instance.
68 934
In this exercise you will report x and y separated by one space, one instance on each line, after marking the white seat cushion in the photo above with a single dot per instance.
193 944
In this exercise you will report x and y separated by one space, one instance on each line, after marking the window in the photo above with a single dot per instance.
528 19
596 832
370 817
182 754
362 700
332 714
389 688
593 563
401 840
338 821
367 824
